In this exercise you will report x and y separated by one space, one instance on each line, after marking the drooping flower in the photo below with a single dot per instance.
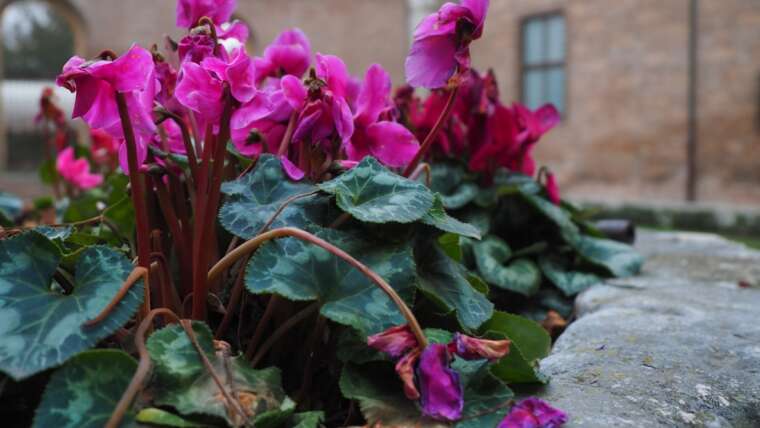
533 413
427 375
289 53
190 11
441 45
531 126
391 143
471 348
76 171
441 394
97 82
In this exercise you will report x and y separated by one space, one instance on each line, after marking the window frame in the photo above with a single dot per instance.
543 66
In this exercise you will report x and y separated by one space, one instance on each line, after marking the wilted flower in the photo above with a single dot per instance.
441 45
533 413
427 374
76 171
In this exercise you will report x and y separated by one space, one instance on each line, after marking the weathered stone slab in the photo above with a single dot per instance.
678 345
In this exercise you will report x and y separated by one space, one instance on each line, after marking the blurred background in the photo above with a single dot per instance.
660 98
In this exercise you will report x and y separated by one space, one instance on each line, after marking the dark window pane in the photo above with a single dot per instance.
533 42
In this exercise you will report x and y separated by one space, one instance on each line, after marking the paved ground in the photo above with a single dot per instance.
677 346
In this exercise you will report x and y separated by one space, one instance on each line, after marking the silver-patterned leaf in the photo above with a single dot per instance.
438 218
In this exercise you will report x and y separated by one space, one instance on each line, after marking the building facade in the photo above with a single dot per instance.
620 71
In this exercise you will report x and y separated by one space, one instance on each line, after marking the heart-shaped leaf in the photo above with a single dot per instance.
41 326
438 218
486 398
373 194
519 276
568 230
445 281
298 270
255 197
617 259
461 196
84 392
183 382
530 343
570 281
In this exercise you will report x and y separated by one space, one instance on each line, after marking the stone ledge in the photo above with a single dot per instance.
678 345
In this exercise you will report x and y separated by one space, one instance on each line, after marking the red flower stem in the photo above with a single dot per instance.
201 285
138 192
281 330
285 143
188 142
170 216
272 305
252 244
423 167
425 147
199 214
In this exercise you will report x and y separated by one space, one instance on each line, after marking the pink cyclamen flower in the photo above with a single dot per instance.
289 53
441 45
391 143
531 126
104 146
76 171
533 413
190 11
96 84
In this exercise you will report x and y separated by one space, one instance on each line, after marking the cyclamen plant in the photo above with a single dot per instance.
303 219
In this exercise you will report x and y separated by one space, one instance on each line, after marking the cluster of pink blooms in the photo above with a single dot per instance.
311 112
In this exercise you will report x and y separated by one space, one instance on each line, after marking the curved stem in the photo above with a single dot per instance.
422 167
253 244
143 368
187 141
137 273
281 330
433 133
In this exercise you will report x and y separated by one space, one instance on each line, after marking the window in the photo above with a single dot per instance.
543 76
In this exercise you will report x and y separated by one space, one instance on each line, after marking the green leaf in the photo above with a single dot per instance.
461 196
373 194
617 259
154 416
445 281
85 391
438 218
486 398
255 197
41 327
54 233
556 215
11 206
82 208
530 343
450 244
519 276
122 215
379 392
446 176
570 281
184 383
307 420
298 270
47 172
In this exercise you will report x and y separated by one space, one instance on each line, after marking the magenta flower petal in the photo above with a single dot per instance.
199 91
552 189
289 54
142 154
533 413
431 62
258 108
131 71
471 348
294 91
394 341
196 48
241 76
190 11
441 394
392 143
343 118
76 171
291 170
373 96
333 70
233 30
